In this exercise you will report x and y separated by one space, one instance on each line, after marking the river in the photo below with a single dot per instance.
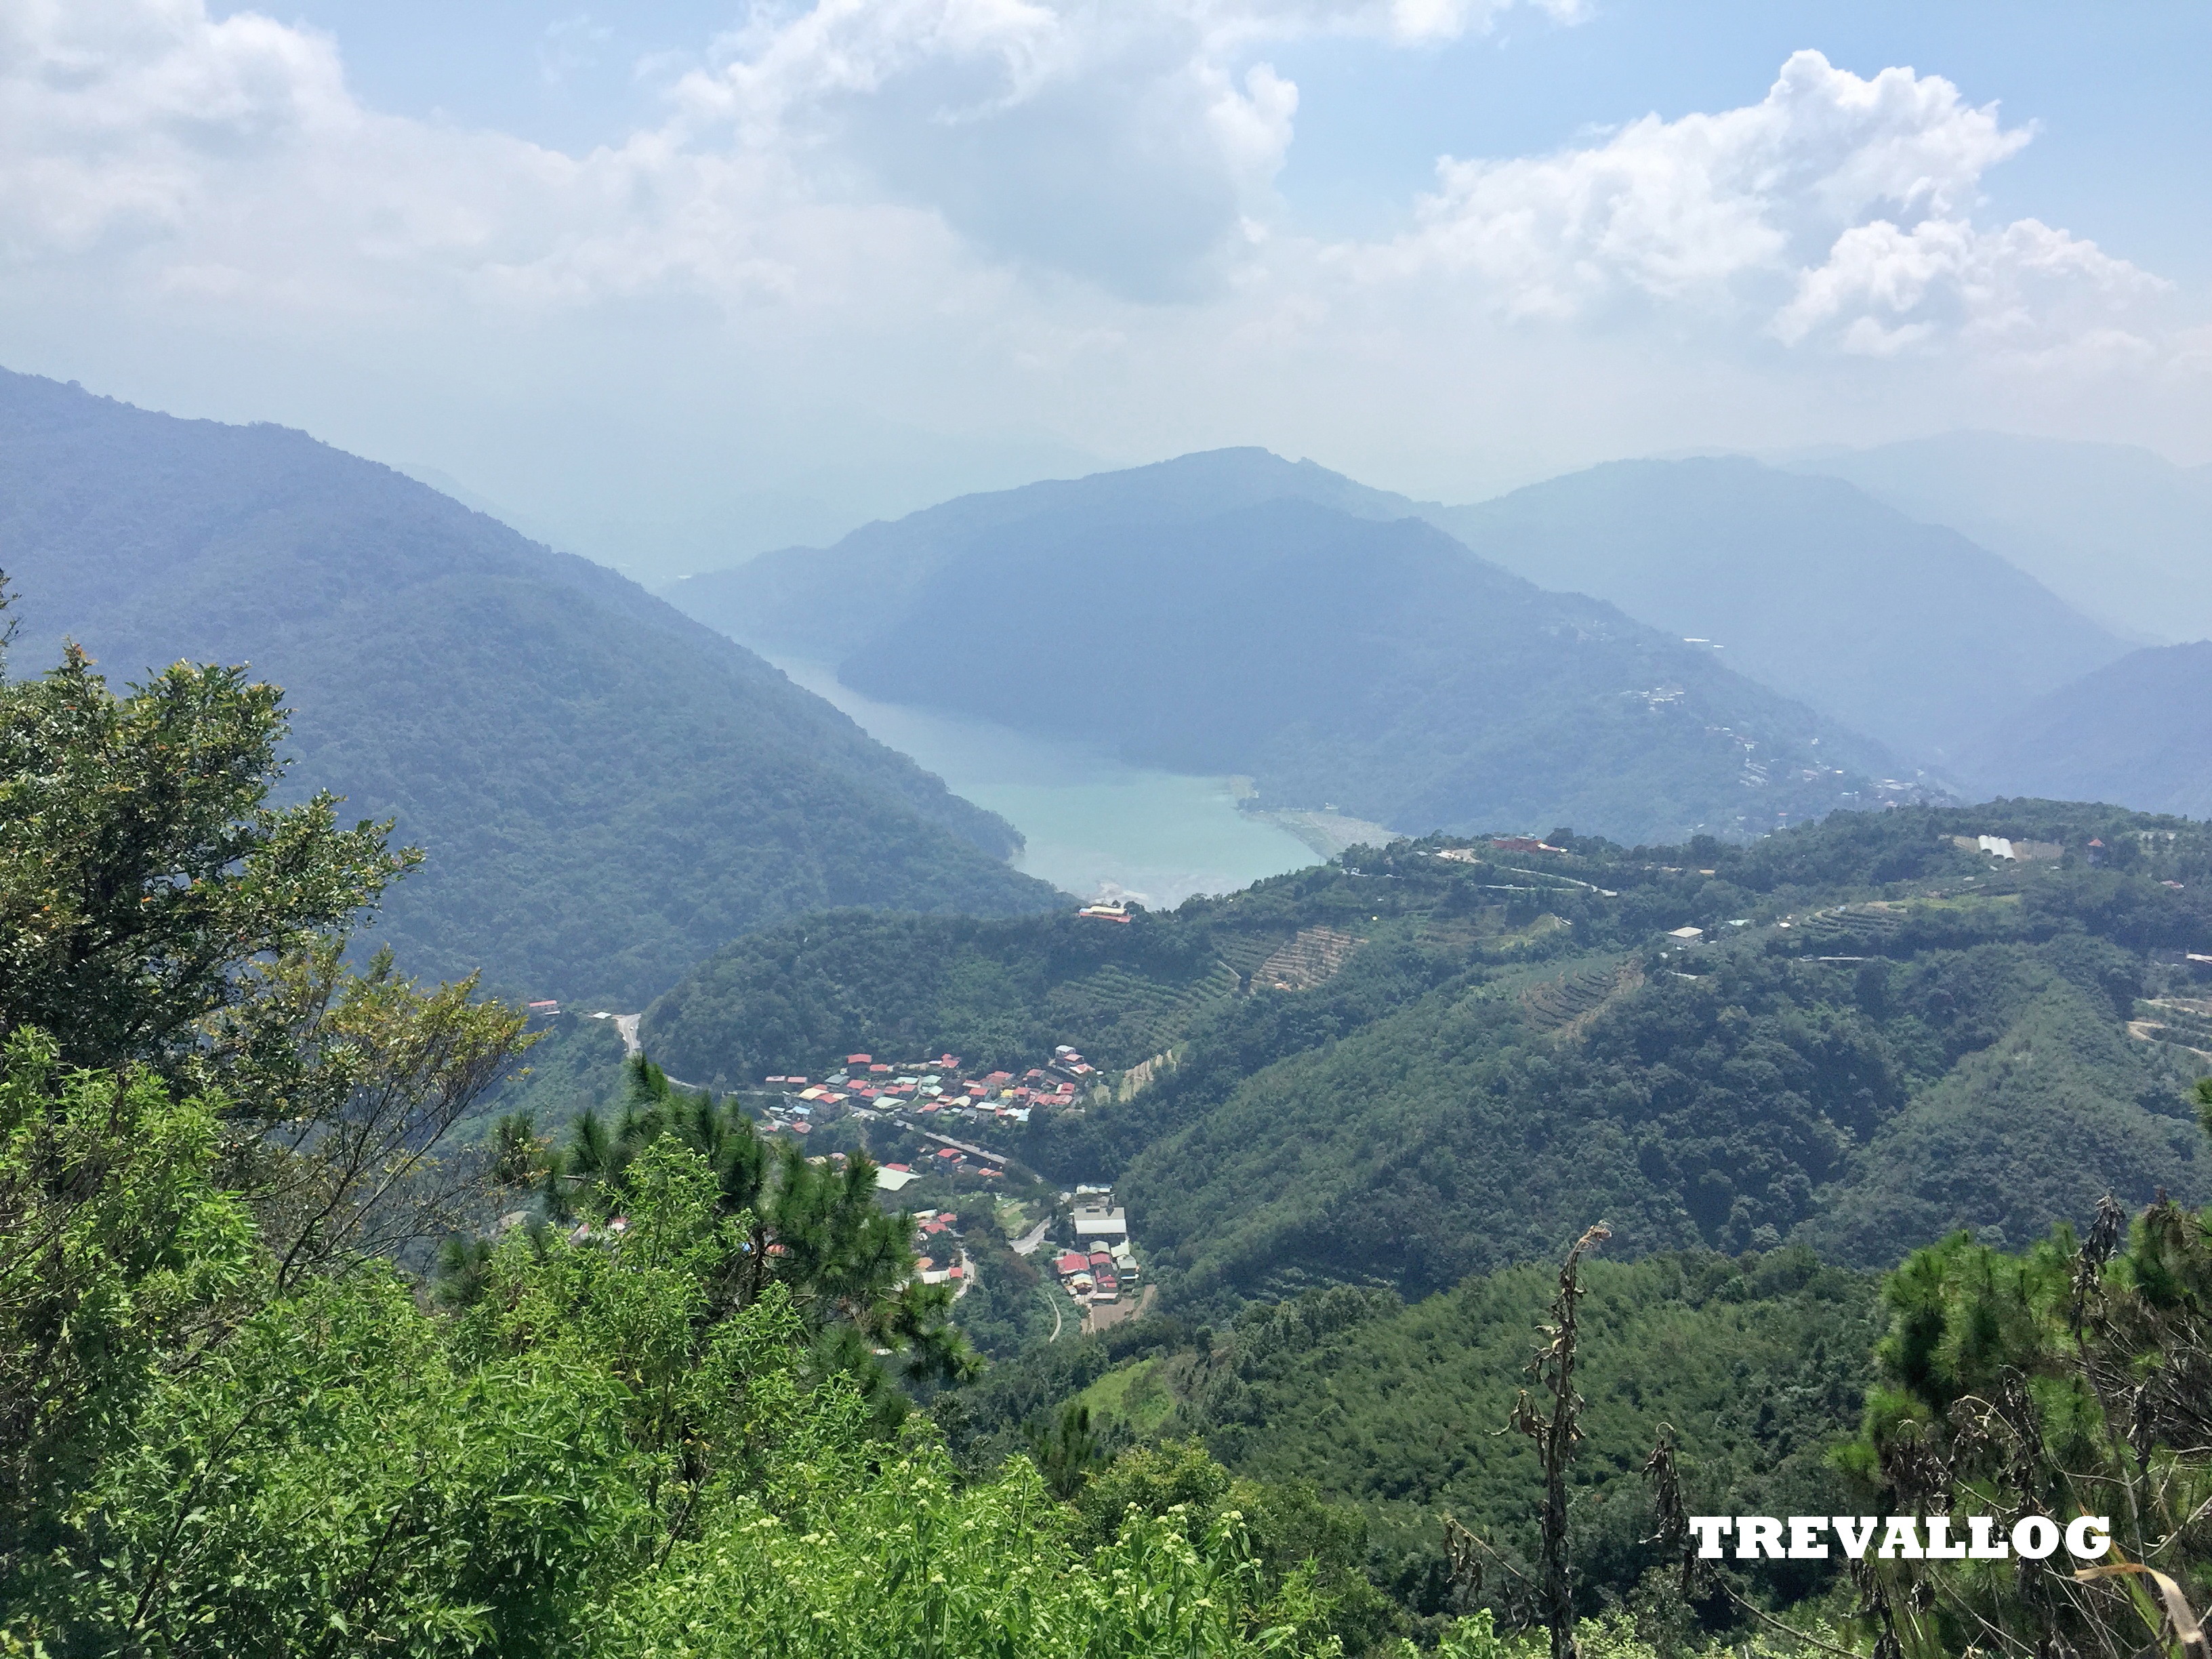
1096 827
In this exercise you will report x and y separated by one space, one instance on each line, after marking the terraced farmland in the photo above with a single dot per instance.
1555 1004
1859 929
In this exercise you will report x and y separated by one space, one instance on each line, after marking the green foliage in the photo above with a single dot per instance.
121 1257
994 992
2072 1378
1067 1453
140 862
600 1456
909 1564
1933 1042
810 1228
1760 1364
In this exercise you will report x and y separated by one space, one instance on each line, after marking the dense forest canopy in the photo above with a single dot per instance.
287 1364
233 1422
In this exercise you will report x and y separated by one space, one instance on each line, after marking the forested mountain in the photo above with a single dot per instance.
1365 663
1907 632
605 789
666 1402
1883 1037
2135 734
2122 534
815 601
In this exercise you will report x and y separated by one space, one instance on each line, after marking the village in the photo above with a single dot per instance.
1084 1236
927 1098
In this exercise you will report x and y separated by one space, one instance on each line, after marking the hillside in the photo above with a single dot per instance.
1373 667
1906 631
1358 663
606 790
2133 733
2122 534
1759 1364
812 601
1880 1037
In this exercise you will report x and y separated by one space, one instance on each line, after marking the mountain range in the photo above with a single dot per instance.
1906 631
1130 612
605 789
2134 731
1314 635
2122 535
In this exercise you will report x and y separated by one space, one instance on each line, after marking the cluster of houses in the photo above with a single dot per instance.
939 1258
927 1094
1100 1265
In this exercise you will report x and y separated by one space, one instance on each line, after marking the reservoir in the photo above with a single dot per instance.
1096 827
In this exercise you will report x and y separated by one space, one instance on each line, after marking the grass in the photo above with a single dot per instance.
1135 1397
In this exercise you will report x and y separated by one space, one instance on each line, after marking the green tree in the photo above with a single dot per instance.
2074 1378
140 864
813 1228
122 1258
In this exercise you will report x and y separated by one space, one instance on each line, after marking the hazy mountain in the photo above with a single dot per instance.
606 789
1368 663
814 601
2137 733
1906 631
2122 534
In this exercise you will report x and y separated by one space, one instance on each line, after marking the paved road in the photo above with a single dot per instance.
1027 1243
960 1146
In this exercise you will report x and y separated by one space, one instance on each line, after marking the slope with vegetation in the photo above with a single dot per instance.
1906 631
231 1423
1233 614
1760 1364
665 1410
2068 1379
1883 1036
605 789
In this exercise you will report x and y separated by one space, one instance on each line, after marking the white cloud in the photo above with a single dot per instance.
117 115
1053 220
1837 209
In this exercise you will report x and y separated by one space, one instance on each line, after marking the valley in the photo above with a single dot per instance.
1030 829
1165 1063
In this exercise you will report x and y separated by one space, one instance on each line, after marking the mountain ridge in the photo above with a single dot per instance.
606 787
1910 633
1367 661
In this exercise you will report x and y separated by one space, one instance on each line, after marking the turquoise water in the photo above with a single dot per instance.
1095 827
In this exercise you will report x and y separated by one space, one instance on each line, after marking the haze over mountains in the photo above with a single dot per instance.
2138 731
1338 656
1885 622
2122 534
1907 631
605 789
608 789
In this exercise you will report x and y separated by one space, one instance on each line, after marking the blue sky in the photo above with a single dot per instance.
671 281
2117 93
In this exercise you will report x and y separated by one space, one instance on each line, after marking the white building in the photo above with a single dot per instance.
1091 1222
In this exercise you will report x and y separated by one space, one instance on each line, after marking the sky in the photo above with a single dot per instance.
671 282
